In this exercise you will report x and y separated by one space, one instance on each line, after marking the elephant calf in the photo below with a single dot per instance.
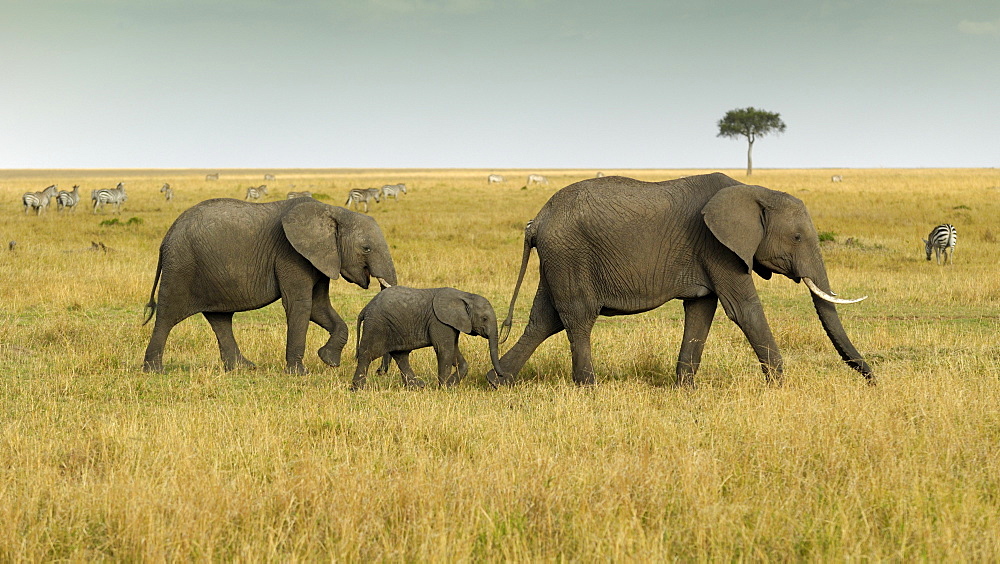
400 319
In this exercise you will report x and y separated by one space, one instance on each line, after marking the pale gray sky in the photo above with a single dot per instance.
496 84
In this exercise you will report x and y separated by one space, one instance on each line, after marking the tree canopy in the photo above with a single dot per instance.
750 123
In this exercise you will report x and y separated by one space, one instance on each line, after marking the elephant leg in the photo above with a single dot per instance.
166 318
297 313
749 316
384 367
410 379
326 317
698 316
365 358
579 325
222 325
461 368
446 359
543 322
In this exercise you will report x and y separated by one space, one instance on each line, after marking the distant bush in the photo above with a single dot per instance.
827 236
116 221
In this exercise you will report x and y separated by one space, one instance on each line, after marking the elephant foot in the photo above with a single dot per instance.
330 354
152 366
298 369
357 384
239 363
685 381
413 383
496 380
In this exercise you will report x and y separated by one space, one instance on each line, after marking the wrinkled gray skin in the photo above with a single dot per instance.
618 246
399 320
224 255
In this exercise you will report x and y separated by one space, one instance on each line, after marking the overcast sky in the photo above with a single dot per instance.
496 84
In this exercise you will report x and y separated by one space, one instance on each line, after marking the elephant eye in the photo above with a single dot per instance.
797 237
366 249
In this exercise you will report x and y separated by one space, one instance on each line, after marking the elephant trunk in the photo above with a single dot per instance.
495 353
827 312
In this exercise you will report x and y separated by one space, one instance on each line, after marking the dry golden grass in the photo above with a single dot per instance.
101 461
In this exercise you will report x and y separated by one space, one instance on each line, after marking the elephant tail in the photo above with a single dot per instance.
357 337
150 308
530 232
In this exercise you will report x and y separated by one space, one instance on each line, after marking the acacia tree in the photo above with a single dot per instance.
750 123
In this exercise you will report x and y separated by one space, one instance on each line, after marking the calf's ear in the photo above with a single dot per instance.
452 309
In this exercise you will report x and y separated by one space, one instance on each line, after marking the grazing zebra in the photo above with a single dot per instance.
213 176
68 199
836 178
256 193
393 190
356 196
536 179
167 192
494 179
268 177
303 194
38 200
942 241
114 196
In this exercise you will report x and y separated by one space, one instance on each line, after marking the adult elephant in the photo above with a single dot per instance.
617 246
224 255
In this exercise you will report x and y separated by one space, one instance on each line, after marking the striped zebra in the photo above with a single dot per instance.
38 200
268 177
494 179
303 194
115 196
942 241
167 191
536 179
256 193
68 199
359 196
213 176
836 178
393 190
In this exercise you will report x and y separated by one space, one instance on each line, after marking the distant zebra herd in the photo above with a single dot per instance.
364 195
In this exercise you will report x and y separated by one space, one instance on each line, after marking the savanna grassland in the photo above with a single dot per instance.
99 460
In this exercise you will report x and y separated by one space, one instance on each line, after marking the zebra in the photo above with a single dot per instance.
114 196
268 177
303 194
167 192
393 190
494 179
38 200
256 193
536 179
213 176
836 178
68 199
942 241
356 196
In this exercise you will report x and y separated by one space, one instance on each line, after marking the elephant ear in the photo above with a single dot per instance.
452 309
735 215
311 228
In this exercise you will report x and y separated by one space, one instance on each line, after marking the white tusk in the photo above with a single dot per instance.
834 300
384 283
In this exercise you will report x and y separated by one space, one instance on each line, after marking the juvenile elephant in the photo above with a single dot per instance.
224 255
399 320
617 246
